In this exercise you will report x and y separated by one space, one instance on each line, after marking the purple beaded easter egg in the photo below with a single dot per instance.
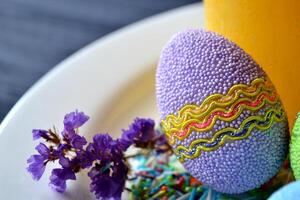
220 112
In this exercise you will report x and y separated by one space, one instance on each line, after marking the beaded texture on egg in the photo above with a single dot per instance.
220 112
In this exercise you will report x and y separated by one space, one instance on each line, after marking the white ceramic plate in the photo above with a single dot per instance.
111 80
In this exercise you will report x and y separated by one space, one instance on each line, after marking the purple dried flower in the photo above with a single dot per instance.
141 131
161 144
109 173
64 162
38 133
43 150
104 148
84 159
59 177
74 120
161 140
37 163
108 181
59 149
78 141
36 166
81 160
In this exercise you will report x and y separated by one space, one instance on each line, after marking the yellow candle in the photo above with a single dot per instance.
269 30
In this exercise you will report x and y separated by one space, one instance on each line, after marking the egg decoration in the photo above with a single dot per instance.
288 192
295 148
220 112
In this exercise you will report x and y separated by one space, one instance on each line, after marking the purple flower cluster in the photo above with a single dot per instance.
104 156
67 149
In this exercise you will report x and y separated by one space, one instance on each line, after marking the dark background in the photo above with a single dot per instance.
35 35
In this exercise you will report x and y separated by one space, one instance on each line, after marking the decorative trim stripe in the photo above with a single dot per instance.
219 100
220 114
218 140
218 106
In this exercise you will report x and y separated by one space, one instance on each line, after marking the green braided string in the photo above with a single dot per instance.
295 148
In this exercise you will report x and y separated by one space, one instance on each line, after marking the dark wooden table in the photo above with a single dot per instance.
35 35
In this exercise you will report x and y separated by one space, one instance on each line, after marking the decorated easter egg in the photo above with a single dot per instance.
295 148
220 112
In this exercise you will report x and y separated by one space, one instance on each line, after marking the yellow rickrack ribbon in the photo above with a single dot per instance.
173 124
219 100
198 145
216 117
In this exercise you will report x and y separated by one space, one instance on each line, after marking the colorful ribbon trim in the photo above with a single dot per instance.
222 114
219 100
259 122
217 106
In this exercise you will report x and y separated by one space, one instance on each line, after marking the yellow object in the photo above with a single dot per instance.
227 108
219 139
269 30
